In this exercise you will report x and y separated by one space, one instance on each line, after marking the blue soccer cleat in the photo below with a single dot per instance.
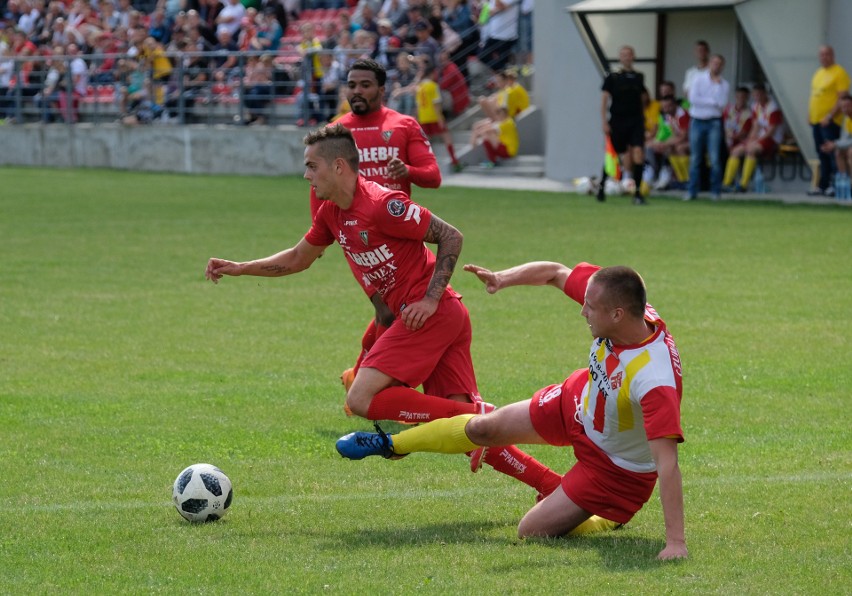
359 445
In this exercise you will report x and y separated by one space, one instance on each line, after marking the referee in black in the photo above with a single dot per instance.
624 120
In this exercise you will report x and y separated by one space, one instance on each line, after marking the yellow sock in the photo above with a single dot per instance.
731 170
594 524
749 166
680 166
445 435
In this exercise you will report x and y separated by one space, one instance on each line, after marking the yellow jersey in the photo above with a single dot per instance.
827 85
428 102
509 135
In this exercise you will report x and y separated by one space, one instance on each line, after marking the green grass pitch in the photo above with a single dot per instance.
120 365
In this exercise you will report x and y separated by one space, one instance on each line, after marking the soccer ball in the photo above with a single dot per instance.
202 493
612 187
628 186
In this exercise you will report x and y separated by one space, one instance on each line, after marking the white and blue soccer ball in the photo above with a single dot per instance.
202 493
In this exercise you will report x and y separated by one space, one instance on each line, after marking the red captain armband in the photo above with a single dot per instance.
578 280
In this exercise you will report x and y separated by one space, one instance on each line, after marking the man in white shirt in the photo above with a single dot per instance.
708 96
702 58
499 33
230 17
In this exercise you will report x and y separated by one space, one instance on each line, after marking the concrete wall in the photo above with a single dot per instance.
187 149
567 89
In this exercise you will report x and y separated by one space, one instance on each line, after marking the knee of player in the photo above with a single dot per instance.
359 404
482 430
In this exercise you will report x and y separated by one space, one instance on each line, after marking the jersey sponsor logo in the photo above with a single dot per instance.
396 208
379 275
616 380
350 222
413 213
363 235
371 258
386 135
377 154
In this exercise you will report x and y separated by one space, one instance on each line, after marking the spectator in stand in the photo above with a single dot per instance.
329 90
44 35
367 18
763 140
269 32
109 17
103 69
499 33
230 17
29 15
208 34
309 47
500 140
829 83
364 43
394 11
427 47
47 100
23 83
365 11
346 23
329 31
181 101
702 60
159 66
344 51
224 58
248 31
387 45
69 102
430 114
62 35
122 12
458 16
452 83
403 84
258 89
668 151
159 28
708 96
7 67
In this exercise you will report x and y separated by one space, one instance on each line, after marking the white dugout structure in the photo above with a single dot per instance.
771 41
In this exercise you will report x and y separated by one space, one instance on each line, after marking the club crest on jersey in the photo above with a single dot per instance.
396 207
386 135
363 235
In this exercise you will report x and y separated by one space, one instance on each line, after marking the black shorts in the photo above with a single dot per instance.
627 134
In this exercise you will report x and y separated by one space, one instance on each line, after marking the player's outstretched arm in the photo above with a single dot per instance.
664 452
286 262
449 241
536 273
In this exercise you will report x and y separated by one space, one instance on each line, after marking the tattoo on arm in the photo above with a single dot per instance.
274 269
449 241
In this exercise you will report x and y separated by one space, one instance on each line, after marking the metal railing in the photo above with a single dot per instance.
198 87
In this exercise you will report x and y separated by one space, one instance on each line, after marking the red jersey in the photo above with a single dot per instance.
383 135
381 235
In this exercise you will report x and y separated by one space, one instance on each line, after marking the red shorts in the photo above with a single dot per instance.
768 147
433 128
594 482
499 149
436 356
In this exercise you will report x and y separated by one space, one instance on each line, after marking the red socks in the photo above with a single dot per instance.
519 465
404 404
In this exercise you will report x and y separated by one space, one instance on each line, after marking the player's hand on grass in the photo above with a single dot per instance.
673 551
414 316
216 268
486 276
